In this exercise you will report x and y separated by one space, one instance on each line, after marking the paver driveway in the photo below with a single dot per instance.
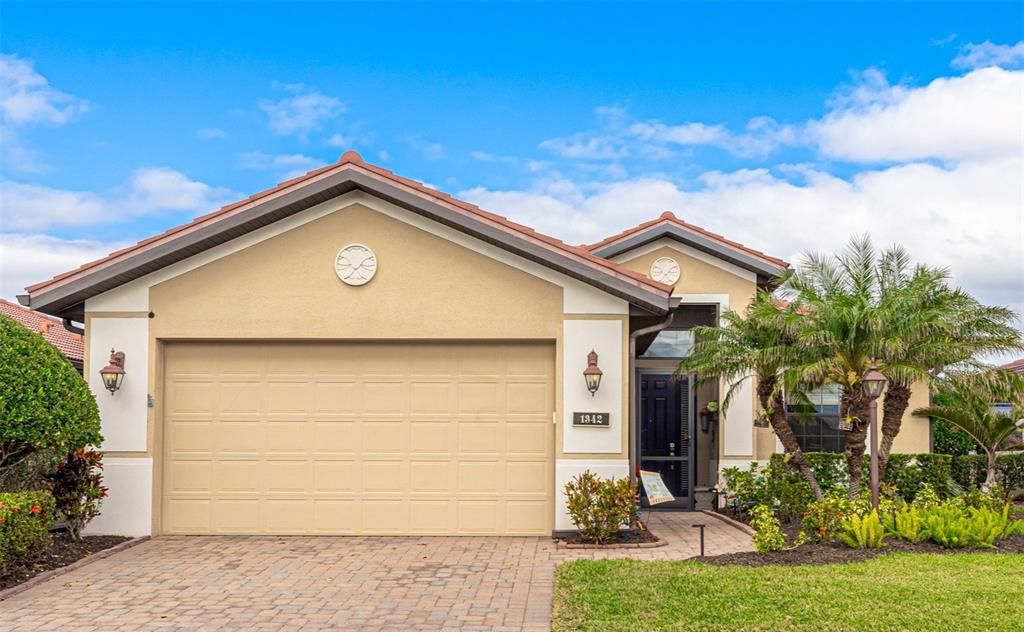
320 583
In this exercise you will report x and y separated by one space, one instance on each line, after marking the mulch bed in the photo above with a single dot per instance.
632 538
62 552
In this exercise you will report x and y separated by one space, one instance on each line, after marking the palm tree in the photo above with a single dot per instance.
838 323
970 404
755 346
928 326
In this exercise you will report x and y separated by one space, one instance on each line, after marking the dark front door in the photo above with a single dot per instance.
666 430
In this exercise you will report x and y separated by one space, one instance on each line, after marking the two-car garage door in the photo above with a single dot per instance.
358 438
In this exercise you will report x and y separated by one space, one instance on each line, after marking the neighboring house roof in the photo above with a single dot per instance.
52 329
668 225
65 293
1016 366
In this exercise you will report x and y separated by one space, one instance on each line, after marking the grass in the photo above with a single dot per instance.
901 591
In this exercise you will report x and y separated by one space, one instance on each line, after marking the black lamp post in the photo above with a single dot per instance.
873 382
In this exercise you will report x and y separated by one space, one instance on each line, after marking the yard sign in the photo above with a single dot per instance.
657 491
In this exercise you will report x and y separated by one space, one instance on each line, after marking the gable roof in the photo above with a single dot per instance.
1017 366
70 344
668 225
65 294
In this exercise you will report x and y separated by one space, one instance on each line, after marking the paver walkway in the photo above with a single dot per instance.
330 583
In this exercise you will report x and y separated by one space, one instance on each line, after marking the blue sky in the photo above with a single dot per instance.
123 119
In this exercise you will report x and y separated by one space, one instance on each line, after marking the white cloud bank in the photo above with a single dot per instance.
989 54
149 191
30 258
945 167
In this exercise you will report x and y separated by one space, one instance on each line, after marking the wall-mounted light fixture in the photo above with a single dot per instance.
113 373
592 374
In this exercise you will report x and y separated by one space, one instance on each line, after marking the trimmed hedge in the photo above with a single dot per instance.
44 403
909 472
25 519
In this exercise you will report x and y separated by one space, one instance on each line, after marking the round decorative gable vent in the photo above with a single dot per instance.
355 264
665 270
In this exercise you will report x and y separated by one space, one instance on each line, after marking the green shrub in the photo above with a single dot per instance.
767 532
968 470
25 519
824 518
989 525
1010 471
77 488
906 523
745 487
948 439
598 507
863 532
44 402
948 526
787 489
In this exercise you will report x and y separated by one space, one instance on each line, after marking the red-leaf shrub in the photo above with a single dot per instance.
77 488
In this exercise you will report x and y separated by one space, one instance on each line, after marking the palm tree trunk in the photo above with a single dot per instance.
990 472
897 400
790 444
854 404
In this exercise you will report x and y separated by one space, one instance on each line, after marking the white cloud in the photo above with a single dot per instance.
955 118
26 97
968 216
212 133
304 111
148 191
988 54
762 135
584 147
290 165
427 149
26 259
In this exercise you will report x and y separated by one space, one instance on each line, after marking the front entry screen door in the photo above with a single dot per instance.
666 431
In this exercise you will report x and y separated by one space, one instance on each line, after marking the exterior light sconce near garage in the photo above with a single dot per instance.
592 374
708 416
113 373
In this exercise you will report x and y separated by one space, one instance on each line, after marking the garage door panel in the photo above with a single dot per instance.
337 436
385 476
337 476
349 438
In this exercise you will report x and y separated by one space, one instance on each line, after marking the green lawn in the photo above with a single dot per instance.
930 592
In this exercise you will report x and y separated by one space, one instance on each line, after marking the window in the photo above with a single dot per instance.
670 343
818 430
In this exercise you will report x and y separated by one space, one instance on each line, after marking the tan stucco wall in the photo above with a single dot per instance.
697 277
425 287
915 432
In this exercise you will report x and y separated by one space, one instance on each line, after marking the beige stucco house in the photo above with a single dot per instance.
352 352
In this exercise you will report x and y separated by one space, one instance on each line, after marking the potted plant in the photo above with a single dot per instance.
708 415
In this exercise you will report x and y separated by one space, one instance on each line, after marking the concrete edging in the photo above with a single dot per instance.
57 572
729 521
562 544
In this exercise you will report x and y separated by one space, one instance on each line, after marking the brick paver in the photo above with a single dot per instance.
330 583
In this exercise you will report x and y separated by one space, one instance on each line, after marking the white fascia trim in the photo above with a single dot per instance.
699 255
579 297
